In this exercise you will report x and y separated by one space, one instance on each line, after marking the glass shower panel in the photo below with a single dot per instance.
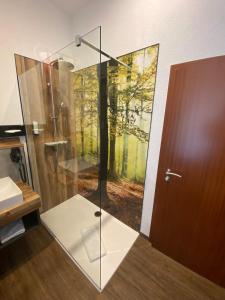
60 102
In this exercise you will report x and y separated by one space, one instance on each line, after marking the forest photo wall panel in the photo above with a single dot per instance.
123 99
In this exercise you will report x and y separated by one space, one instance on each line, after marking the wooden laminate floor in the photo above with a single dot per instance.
35 267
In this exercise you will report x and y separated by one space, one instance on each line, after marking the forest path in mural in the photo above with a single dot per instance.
125 197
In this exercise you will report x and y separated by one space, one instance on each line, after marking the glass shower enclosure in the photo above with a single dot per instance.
64 103
59 99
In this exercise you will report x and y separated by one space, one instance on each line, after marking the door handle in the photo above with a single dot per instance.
169 173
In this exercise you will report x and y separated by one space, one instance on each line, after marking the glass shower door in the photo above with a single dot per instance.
60 99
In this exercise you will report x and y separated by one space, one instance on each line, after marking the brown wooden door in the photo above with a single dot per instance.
189 212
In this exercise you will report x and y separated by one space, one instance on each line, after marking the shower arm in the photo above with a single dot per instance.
79 40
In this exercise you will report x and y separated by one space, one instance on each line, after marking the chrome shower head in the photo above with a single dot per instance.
58 63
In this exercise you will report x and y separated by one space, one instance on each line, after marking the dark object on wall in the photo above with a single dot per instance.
17 158
12 131
189 212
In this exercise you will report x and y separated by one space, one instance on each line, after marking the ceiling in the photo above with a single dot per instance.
69 6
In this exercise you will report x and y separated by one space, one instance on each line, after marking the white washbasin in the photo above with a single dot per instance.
10 194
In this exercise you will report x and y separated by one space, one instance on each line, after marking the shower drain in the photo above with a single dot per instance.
98 214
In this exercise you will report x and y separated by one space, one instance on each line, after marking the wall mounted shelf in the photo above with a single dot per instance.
9 143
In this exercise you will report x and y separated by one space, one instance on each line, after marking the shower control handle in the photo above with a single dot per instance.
169 173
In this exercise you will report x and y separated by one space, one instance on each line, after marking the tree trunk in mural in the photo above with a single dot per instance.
136 162
125 134
125 143
91 129
140 112
82 116
103 107
113 94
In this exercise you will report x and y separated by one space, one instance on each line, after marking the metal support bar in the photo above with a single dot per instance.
79 40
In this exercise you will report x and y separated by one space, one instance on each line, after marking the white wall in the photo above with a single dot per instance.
34 29
31 28
186 30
